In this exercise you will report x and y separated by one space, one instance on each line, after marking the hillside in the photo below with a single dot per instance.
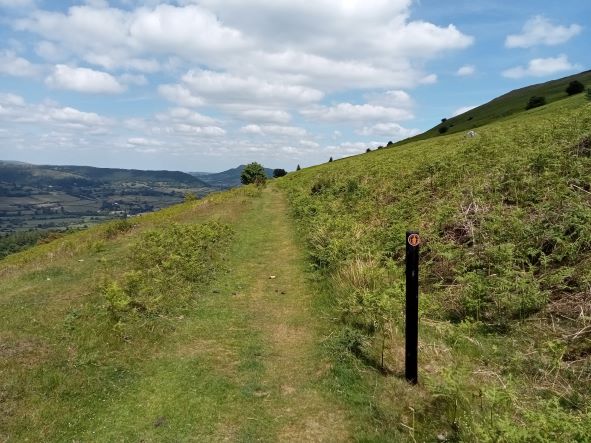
277 314
513 102
226 179
49 197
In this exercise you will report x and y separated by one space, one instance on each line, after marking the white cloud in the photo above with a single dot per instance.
466 70
83 80
428 79
11 64
216 87
395 98
266 115
142 141
540 67
290 131
347 112
13 108
463 109
540 31
392 130
184 115
180 95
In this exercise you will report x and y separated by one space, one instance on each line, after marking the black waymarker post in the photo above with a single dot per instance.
412 307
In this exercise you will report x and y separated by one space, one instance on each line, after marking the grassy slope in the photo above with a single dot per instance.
505 342
506 105
505 219
237 362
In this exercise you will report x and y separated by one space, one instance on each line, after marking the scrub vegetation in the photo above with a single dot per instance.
276 313
505 219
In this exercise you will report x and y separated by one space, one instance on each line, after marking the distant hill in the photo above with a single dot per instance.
226 179
503 106
56 197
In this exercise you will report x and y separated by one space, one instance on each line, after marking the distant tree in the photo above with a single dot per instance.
368 150
443 120
575 87
443 129
253 173
330 160
279 173
390 144
380 147
298 168
535 102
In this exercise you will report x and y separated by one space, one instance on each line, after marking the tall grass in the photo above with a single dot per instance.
505 222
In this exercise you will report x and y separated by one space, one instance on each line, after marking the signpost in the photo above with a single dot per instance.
412 307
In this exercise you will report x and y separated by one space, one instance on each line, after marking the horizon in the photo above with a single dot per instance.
215 84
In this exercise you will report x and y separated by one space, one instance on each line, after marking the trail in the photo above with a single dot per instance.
278 305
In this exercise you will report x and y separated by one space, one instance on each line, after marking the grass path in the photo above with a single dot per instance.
278 303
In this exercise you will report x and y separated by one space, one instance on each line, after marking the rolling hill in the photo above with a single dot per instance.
277 314
513 102
226 179
49 197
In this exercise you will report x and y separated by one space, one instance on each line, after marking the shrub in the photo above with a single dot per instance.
443 129
113 229
189 197
279 173
535 102
166 265
330 160
298 168
253 173
575 87
368 150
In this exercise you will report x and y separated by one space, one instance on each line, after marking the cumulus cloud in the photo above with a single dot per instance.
290 131
347 112
11 64
83 80
541 67
392 130
540 31
217 87
13 108
265 115
466 70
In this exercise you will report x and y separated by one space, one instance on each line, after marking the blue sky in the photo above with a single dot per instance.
205 85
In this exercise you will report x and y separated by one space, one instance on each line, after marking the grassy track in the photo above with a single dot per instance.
241 364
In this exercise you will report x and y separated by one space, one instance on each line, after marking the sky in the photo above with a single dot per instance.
206 85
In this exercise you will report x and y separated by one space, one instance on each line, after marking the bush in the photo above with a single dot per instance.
575 87
535 102
165 267
298 168
279 173
253 173
443 129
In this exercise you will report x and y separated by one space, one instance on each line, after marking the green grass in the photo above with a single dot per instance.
217 326
505 276
506 105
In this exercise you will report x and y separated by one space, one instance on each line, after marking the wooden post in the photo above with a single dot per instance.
412 307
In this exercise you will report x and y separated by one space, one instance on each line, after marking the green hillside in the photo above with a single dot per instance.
513 102
276 314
